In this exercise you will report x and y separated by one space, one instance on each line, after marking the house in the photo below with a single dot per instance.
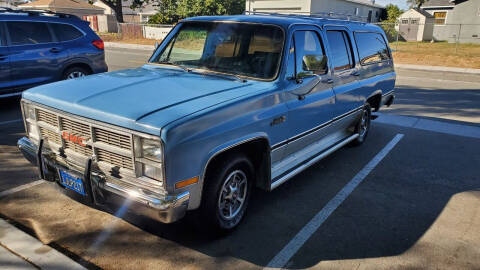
453 20
365 9
138 15
74 7
416 25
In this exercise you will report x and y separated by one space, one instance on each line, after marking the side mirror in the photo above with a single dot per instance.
317 64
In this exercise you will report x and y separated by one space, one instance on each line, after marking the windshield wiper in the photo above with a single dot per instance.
175 65
223 75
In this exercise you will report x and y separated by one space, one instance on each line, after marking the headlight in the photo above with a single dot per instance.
149 158
30 126
152 149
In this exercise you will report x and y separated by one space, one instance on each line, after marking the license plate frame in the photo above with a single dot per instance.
72 182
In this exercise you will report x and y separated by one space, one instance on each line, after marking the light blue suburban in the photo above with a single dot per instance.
224 104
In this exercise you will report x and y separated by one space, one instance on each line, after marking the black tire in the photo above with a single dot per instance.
74 72
362 128
212 218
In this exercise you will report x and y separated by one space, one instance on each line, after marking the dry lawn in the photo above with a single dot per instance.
437 54
109 37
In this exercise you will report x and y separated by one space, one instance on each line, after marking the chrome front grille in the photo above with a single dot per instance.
112 148
112 138
115 159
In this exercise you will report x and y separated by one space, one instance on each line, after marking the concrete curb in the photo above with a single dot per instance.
439 68
34 251
129 46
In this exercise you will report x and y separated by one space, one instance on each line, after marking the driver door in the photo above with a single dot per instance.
310 96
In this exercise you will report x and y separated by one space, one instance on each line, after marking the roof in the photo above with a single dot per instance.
423 12
285 21
439 3
71 4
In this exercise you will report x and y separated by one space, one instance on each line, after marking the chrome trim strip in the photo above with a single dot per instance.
299 136
388 93
11 95
304 166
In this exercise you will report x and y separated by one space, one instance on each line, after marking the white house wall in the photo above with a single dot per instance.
345 7
278 6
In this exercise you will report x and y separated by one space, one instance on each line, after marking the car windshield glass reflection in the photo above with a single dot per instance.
234 48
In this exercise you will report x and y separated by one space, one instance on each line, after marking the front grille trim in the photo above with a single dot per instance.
119 153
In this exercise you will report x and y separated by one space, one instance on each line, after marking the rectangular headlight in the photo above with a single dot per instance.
153 172
152 149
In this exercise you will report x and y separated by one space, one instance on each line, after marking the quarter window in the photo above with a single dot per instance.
65 32
22 33
306 43
341 49
372 48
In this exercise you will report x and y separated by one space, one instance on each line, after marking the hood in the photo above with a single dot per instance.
143 99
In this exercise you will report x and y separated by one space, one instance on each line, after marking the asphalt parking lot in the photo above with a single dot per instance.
417 208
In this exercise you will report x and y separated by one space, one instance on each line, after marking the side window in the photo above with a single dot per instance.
341 49
372 48
307 44
65 32
22 33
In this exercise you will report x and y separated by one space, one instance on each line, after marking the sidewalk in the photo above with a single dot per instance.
19 250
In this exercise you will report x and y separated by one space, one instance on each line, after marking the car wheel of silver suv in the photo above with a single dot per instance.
227 192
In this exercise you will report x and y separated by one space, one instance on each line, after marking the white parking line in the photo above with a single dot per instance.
10 121
20 188
282 258
429 125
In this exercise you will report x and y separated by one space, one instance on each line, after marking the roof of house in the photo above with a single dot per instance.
71 4
423 12
439 3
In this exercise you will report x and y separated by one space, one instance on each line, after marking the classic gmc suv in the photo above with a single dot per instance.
224 104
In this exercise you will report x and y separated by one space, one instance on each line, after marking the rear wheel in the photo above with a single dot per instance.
75 72
227 192
363 125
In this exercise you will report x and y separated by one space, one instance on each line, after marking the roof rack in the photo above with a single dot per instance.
37 12
317 15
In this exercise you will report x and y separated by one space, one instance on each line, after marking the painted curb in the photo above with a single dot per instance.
438 68
129 46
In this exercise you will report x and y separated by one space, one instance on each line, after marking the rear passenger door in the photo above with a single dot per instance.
4 62
67 42
344 70
33 55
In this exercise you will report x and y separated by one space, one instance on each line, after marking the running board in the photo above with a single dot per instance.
322 155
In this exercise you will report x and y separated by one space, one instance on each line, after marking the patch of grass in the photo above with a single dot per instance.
113 37
437 54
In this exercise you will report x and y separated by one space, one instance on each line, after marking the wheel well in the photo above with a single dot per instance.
82 65
375 101
258 151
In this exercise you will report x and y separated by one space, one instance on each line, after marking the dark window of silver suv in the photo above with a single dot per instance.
23 33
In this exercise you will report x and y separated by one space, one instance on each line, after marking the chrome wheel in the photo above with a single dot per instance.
232 195
75 74
364 123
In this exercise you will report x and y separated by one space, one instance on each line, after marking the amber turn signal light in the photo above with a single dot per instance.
187 182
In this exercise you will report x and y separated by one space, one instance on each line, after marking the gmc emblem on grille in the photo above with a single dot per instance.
74 138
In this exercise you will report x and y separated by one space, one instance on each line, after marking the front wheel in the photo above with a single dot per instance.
363 125
227 192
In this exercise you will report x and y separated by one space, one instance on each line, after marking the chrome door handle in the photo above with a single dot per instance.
329 81
55 50
355 73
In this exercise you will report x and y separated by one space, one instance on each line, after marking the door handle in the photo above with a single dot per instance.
3 57
329 81
55 50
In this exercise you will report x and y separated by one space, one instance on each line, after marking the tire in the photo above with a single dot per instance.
225 186
75 72
363 126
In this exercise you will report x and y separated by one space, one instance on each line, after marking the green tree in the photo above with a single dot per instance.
416 3
388 25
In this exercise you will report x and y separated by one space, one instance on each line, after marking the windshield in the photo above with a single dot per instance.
249 50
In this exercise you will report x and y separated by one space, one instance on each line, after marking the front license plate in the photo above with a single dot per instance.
71 182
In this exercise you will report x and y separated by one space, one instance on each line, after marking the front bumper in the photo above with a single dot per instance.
101 192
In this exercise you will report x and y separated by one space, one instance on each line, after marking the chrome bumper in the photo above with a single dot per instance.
165 208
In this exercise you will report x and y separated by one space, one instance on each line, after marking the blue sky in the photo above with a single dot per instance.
400 3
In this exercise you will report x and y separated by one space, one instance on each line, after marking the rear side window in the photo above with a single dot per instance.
372 48
65 32
341 49
22 33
